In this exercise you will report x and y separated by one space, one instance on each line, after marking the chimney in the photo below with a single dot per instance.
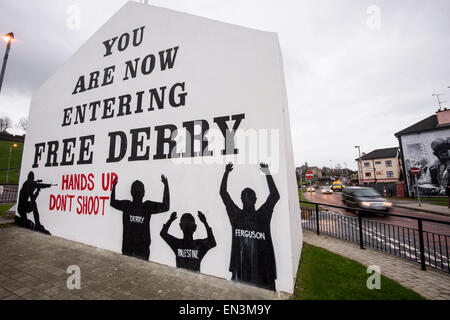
443 117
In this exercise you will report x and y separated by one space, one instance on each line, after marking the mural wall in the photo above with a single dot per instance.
166 138
429 151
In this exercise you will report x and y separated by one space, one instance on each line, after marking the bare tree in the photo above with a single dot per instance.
22 124
5 123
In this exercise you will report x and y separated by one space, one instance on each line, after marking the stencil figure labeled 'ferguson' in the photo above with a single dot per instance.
136 218
189 252
252 255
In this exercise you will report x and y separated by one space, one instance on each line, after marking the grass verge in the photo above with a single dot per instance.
16 161
440 201
306 198
323 275
4 208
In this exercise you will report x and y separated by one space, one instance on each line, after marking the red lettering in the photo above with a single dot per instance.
103 205
59 202
105 187
107 183
91 182
80 205
52 202
65 180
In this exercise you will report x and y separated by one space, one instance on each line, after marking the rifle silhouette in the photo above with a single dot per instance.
39 184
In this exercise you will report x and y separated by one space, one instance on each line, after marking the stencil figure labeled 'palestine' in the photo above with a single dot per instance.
136 218
252 254
189 252
27 203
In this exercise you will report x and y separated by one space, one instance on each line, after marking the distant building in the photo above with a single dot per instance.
5 136
316 171
381 165
426 145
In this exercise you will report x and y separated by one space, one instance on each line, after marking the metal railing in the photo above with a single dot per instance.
427 248
8 195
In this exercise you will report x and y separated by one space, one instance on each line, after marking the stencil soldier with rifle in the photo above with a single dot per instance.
27 203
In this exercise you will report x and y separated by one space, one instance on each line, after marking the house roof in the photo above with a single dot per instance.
381 154
429 123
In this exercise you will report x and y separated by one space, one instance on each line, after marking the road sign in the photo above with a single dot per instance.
415 171
309 175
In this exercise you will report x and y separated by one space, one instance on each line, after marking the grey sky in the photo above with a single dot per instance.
349 83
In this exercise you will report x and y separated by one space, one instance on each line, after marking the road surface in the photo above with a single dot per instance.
395 235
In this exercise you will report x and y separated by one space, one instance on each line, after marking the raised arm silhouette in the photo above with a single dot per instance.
189 252
252 254
136 216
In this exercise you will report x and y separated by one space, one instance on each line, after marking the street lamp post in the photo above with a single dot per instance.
360 163
9 160
8 39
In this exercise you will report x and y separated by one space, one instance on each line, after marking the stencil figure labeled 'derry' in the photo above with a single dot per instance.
252 254
189 252
136 218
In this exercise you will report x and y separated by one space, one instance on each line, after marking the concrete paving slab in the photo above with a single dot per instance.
33 266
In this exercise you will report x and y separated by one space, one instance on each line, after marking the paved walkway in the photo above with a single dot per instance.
426 207
33 266
6 219
431 284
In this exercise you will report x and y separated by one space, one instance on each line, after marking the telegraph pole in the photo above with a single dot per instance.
360 164
8 39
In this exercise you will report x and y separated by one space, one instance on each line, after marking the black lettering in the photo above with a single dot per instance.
108 46
229 134
162 140
139 102
124 41
112 146
181 96
139 143
166 58
148 67
93 107
124 103
159 99
38 149
135 36
131 68
68 144
201 137
108 112
93 82
81 112
52 153
85 145
67 120
108 77
80 87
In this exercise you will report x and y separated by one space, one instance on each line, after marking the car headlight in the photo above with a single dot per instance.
387 204
366 204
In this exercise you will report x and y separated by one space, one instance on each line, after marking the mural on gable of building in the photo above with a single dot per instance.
431 153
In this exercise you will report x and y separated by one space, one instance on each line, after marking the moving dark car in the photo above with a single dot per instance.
365 198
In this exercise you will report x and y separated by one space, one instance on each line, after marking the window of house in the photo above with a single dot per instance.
377 162
388 163
366 164
368 174
390 174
